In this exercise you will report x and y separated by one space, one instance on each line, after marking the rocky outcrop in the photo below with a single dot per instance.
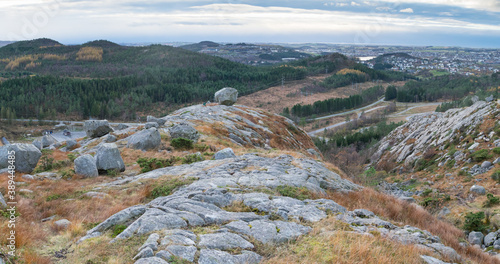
226 96
201 202
108 158
96 128
26 156
244 126
409 141
86 166
183 130
147 139
279 219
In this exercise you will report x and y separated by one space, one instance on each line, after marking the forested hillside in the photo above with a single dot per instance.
43 78
450 87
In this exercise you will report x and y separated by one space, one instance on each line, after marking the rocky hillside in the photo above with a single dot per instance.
214 183
450 163
474 127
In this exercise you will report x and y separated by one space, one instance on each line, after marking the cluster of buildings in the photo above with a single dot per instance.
456 60
254 54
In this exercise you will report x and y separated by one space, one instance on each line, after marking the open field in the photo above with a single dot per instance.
276 98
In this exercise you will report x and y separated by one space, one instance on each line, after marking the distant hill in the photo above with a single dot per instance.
200 46
102 43
382 58
248 53
27 46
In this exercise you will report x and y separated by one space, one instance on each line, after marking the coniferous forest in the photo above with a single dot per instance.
43 78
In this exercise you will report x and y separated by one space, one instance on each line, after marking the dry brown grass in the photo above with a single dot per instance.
65 199
331 242
99 250
32 257
410 141
274 99
408 214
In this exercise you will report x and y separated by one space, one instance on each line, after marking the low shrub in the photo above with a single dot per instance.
474 222
118 229
192 158
300 193
491 200
496 176
165 188
481 155
496 150
181 143
149 164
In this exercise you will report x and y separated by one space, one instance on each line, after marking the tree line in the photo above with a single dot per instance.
335 104
450 87
121 97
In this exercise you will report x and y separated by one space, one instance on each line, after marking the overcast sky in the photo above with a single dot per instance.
472 23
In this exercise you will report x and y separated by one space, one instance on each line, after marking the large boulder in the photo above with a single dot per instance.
226 96
491 237
71 144
44 142
97 128
226 153
478 189
159 121
62 224
26 156
108 158
145 140
184 131
48 140
476 238
86 166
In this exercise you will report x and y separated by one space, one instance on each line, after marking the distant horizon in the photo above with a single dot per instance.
123 43
464 23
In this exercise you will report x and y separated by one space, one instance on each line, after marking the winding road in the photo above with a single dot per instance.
314 133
